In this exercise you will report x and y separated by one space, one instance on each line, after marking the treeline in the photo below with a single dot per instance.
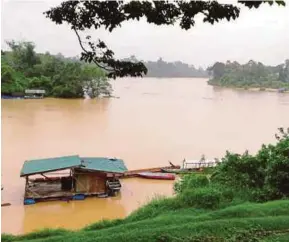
250 75
161 68
22 68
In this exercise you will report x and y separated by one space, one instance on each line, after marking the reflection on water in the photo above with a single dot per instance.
153 121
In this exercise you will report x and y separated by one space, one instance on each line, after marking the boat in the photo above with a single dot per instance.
157 175
180 171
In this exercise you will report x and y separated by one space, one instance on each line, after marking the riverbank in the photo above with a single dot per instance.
51 97
268 221
251 89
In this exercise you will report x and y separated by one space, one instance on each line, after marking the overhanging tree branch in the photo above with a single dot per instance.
87 52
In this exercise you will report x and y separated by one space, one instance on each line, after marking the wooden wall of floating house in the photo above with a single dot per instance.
89 183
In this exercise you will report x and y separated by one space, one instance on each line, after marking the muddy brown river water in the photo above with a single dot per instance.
153 121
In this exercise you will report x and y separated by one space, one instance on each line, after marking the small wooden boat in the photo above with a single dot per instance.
156 175
5 204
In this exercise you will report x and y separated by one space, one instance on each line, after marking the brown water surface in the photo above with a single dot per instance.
153 121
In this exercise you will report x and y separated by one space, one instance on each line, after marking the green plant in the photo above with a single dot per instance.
191 181
204 197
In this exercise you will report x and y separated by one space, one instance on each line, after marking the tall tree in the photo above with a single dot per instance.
24 55
83 15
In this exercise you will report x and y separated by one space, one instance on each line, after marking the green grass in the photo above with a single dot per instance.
162 220
44 233
283 237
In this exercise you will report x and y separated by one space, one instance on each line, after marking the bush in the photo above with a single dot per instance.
191 181
205 197
265 176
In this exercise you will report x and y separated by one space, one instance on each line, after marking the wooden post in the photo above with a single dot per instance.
26 182
184 161
72 179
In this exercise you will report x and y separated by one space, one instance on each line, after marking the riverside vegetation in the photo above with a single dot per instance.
22 68
244 199
250 75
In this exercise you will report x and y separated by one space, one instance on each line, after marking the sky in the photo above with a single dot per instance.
259 34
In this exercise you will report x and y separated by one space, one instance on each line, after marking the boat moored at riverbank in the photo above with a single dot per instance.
157 175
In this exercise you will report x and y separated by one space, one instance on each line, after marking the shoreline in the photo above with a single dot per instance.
252 89
48 97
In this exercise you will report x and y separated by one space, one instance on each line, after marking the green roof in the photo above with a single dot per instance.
103 164
31 167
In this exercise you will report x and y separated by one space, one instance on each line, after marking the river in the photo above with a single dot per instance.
153 121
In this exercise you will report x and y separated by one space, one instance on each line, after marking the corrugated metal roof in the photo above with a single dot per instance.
103 164
31 167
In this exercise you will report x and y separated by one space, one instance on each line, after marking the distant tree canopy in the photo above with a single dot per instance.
83 15
252 74
161 68
22 68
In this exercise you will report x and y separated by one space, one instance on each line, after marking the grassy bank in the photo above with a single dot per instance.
263 222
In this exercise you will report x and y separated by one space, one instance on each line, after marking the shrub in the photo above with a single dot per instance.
204 197
191 181
265 176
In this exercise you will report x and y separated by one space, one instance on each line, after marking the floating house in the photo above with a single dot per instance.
87 176
34 94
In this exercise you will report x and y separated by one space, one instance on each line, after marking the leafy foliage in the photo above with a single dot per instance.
83 15
206 197
22 68
241 177
191 182
265 176
251 74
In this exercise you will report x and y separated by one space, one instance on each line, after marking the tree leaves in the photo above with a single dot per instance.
23 68
265 175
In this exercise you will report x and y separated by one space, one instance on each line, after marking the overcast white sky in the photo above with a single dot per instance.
261 34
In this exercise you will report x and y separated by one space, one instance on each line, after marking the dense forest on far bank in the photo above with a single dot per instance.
161 68
22 68
250 75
